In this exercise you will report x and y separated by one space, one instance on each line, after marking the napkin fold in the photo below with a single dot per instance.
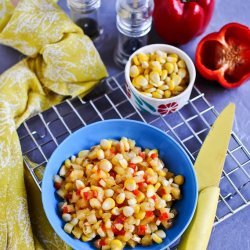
61 62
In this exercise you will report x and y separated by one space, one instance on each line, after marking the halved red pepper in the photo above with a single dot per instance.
178 21
224 56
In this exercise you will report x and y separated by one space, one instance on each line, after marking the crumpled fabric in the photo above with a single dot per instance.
61 61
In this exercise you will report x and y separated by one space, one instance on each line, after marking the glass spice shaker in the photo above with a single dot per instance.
85 13
133 21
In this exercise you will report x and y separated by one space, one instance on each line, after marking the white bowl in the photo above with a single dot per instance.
160 106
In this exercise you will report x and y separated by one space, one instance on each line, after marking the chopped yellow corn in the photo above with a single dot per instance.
120 198
156 72
130 184
142 57
136 61
117 180
134 71
156 238
108 204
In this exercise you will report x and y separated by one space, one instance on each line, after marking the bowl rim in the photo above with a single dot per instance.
154 47
50 216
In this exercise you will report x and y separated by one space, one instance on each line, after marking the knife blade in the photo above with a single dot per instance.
210 161
208 168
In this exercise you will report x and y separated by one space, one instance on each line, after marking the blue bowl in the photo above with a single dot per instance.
145 136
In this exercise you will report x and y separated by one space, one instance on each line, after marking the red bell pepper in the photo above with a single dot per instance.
142 230
178 21
224 56
153 156
163 216
149 214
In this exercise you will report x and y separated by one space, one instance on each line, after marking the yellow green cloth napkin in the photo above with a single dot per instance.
61 62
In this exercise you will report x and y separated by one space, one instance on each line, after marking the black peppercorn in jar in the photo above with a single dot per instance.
85 14
133 21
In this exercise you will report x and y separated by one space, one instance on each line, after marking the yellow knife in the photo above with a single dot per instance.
208 168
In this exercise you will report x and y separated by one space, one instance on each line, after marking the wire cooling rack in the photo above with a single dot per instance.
41 134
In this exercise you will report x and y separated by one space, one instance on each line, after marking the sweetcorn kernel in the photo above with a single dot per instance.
182 73
68 227
137 208
108 204
179 179
150 191
105 165
156 72
140 81
156 238
120 198
116 245
140 215
142 57
154 76
167 93
105 144
128 211
140 197
134 71
176 79
171 85
144 65
136 61
130 184
95 203
181 64
156 95
146 240
67 163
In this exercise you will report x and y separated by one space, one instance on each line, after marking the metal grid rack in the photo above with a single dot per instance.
41 134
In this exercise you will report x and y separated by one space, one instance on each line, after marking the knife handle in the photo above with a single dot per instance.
197 235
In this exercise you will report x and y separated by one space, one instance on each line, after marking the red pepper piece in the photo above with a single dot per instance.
224 56
154 155
143 155
154 197
94 194
163 191
163 216
78 191
103 227
120 219
149 214
113 150
102 242
178 21
87 195
142 230
113 217
112 173
68 196
118 148
133 166
116 231
141 185
65 210
136 192
57 185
